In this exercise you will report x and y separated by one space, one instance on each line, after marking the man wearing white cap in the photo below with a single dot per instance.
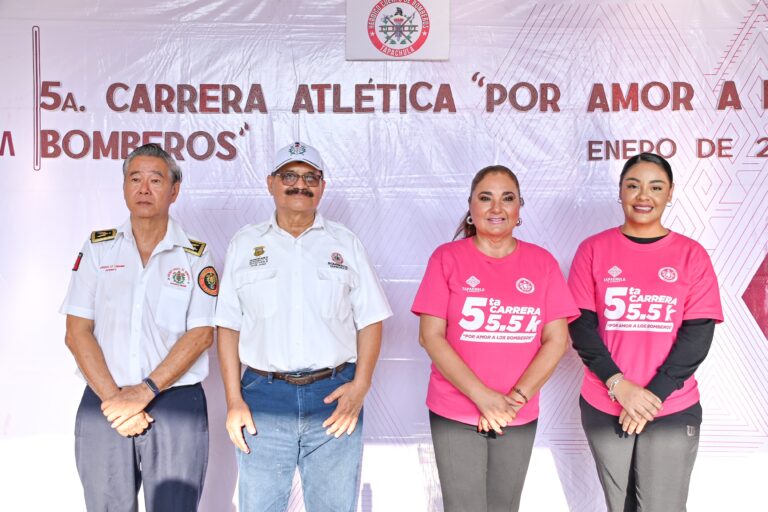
301 307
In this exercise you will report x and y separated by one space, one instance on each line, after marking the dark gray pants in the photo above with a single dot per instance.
170 458
649 472
481 472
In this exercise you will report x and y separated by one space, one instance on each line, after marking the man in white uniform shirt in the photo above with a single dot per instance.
301 307
140 312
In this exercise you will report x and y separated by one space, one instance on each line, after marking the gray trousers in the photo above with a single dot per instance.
649 472
481 472
169 458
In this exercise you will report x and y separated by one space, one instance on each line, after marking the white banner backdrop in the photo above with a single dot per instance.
528 84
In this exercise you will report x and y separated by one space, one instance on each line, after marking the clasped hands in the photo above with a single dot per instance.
639 406
497 410
125 410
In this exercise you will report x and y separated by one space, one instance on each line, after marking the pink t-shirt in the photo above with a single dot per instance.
495 309
641 294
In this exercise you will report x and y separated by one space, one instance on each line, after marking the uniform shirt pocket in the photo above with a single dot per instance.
172 309
257 291
334 287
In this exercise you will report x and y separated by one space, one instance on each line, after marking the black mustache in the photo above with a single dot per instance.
302 191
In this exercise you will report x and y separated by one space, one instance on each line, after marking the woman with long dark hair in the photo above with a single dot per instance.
649 302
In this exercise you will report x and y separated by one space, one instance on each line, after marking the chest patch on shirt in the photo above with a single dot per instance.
259 258
208 280
337 261
178 277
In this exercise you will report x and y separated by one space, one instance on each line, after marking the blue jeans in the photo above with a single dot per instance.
289 425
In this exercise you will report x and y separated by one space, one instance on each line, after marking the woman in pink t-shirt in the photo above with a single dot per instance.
649 302
493 320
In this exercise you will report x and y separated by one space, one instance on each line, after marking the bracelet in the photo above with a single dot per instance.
612 382
610 379
152 386
517 390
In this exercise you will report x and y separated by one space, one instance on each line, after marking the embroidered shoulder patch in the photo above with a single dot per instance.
197 247
208 280
103 235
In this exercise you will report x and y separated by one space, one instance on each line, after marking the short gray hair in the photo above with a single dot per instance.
154 150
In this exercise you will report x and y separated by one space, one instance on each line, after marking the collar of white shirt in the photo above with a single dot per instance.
174 235
319 223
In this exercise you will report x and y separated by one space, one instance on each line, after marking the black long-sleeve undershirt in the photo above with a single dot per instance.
588 343
694 338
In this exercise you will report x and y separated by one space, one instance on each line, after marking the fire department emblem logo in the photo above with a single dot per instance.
524 285
297 149
208 280
178 277
398 29
668 274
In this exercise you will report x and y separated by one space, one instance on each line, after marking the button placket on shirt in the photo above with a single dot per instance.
297 273
137 313
139 297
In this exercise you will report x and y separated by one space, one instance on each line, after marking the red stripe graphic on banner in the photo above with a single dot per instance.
36 88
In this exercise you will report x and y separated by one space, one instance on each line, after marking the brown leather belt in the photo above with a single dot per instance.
301 378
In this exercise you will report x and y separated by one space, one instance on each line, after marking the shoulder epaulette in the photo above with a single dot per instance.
197 247
103 235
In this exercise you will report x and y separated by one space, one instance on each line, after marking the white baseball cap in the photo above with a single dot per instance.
298 152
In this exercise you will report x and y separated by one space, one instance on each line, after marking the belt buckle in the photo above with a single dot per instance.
296 375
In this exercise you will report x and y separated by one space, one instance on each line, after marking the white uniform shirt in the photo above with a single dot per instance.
139 313
298 302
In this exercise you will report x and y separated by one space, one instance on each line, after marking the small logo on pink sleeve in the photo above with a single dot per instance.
668 274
